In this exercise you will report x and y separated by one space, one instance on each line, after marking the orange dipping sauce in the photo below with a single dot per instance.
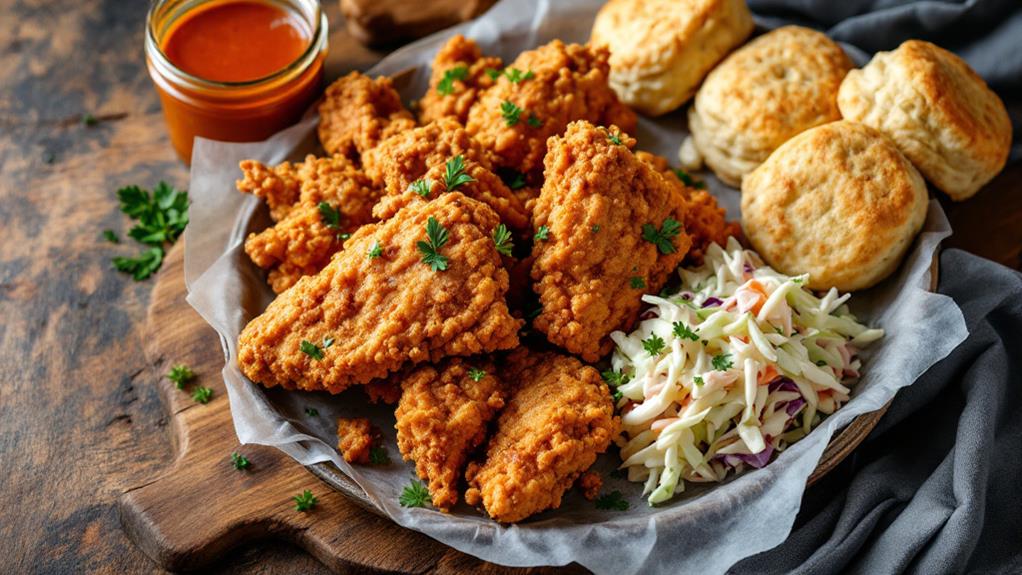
234 70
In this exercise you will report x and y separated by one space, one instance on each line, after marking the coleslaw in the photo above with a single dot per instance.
734 367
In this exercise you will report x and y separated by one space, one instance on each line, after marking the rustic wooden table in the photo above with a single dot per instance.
80 419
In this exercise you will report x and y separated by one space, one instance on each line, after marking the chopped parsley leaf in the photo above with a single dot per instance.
698 380
305 501
615 378
310 349
142 266
688 180
329 215
311 411
615 138
446 84
111 236
436 235
493 73
375 251
510 112
202 394
542 233
378 455
327 342
454 174
681 330
180 374
415 494
476 374
514 180
637 282
502 239
653 345
534 122
662 238
595 228
422 187
722 362
240 461
89 120
612 501
514 75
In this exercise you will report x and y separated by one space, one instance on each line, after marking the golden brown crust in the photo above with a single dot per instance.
301 242
385 391
939 112
705 221
406 157
383 312
278 186
568 83
359 112
354 439
558 418
584 275
442 416
839 202
780 84
459 52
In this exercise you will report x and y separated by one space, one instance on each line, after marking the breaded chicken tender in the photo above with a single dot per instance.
558 418
460 73
354 439
378 306
442 416
406 157
278 186
704 221
302 242
615 232
556 85
359 112
485 187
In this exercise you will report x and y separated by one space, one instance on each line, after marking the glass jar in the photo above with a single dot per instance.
233 111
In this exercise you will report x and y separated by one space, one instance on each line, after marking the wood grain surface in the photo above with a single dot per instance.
81 418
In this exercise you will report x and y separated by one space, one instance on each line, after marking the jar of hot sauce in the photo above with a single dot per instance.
234 70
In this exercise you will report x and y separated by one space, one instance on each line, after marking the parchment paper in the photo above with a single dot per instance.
707 528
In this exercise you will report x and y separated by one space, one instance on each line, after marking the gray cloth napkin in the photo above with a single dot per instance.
937 486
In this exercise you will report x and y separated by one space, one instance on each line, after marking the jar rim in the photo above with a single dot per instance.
167 67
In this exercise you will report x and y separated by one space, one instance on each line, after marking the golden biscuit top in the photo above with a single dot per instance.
647 33
776 86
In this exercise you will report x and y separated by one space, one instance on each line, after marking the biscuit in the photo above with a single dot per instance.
938 111
775 87
839 202
662 49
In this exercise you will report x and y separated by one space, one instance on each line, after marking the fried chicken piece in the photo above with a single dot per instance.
406 157
354 439
558 418
485 187
383 391
279 186
599 202
590 484
462 65
705 220
359 112
568 83
442 416
385 311
302 242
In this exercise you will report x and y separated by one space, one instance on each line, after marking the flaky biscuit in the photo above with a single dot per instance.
939 112
837 201
662 49
776 86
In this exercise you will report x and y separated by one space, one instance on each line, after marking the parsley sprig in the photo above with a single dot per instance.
240 461
180 374
415 494
375 251
681 330
722 362
436 236
446 84
422 187
612 501
688 180
160 218
502 239
476 374
654 344
510 112
542 233
662 238
514 75
329 216
305 501
637 282
615 379
202 394
378 455
310 349
454 174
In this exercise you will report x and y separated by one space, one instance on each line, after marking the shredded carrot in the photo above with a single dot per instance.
768 375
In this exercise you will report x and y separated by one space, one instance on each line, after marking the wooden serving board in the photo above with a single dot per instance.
202 506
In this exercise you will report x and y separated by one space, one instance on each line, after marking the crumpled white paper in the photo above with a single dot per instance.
706 529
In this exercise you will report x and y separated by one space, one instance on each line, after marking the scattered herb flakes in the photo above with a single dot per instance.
140 267
446 84
612 501
514 180
310 349
329 216
375 251
305 501
698 380
514 75
534 122
202 394
89 120
493 73
722 362
415 494
344 237
180 374
662 238
681 330
379 456
615 378
542 234
476 374
637 282
502 240
111 236
454 174
614 138
436 236
654 344
595 228
688 180
327 342
510 113
240 461
311 411
422 187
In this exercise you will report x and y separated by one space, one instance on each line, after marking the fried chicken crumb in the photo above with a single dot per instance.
354 439
590 484
384 391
